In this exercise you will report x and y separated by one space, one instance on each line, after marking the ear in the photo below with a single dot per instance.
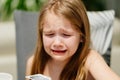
81 40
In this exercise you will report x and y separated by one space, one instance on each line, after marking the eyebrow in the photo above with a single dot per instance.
48 31
51 31
66 31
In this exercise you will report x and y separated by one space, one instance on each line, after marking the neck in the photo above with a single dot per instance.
54 69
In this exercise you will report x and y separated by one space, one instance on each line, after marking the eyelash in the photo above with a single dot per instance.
52 34
67 35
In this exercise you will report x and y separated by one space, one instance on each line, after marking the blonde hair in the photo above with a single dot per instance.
75 12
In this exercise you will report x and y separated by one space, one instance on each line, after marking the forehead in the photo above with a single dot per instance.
52 19
57 18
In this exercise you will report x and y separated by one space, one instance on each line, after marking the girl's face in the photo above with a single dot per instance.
60 39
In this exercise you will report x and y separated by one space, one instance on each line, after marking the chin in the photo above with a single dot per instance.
60 58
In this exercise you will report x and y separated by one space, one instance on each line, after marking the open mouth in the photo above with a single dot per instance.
59 51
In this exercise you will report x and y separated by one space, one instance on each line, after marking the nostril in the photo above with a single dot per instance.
57 45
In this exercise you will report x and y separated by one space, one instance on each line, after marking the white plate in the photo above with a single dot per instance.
6 76
38 77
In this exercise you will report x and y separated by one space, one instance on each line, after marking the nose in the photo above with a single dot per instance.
57 43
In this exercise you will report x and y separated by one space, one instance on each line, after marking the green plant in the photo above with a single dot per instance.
6 10
9 6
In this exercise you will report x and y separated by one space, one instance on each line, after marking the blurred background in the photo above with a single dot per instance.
8 59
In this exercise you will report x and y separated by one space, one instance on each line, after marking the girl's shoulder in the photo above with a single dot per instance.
30 59
98 68
92 57
29 65
93 60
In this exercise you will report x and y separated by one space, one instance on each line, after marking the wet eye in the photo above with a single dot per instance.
50 35
66 35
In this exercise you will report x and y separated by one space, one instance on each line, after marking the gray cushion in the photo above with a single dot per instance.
26 27
101 23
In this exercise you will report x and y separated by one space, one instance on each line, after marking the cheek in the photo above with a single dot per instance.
46 42
73 44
